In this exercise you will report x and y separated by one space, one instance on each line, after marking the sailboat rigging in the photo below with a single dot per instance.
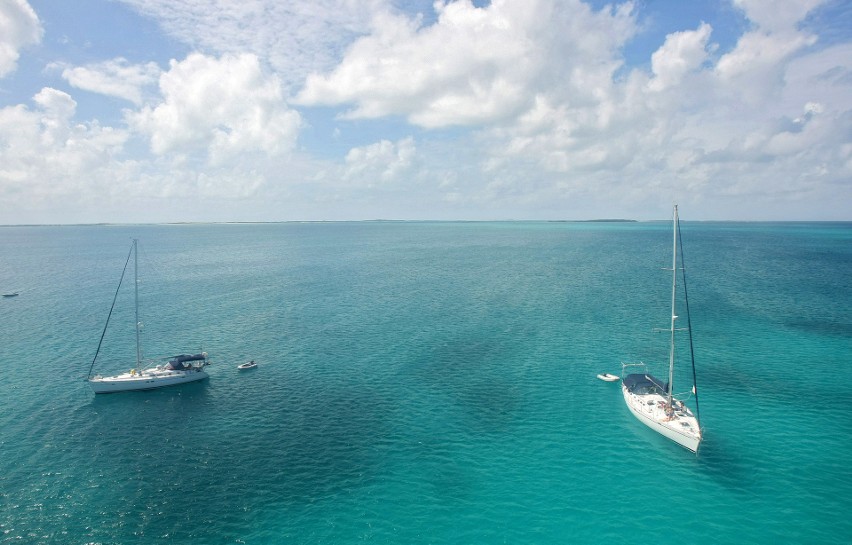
651 400
179 369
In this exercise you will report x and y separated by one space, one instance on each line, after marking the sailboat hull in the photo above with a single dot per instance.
681 426
146 380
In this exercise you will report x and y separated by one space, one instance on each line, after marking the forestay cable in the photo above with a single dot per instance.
120 280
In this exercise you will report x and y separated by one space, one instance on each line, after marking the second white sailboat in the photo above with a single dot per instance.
650 399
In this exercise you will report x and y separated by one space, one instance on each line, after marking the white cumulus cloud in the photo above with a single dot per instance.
474 65
382 161
683 52
45 155
754 68
19 27
220 107
116 77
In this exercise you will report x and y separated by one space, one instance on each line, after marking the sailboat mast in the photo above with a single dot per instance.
674 313
136 301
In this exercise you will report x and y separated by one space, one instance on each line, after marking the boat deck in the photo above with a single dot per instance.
680 424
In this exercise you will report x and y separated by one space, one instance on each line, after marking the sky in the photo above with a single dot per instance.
137 111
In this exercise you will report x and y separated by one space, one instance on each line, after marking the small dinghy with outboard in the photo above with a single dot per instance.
247 365
608 377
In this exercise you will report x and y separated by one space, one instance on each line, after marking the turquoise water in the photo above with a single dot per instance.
424 383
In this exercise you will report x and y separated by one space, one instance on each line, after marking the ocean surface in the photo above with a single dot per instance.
424 383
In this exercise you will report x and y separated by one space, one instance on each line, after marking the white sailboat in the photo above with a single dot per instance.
649 398
179 369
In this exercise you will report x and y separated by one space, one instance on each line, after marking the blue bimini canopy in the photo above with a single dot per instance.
180 362
186 357
642 383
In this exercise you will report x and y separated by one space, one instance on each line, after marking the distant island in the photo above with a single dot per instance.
598 220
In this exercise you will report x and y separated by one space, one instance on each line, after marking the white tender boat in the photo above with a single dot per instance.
649 398
608 377
247 365
179 369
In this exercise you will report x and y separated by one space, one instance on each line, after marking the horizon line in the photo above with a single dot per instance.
384 220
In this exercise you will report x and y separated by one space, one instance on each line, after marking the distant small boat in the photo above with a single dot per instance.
608 377
247 365
11 294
